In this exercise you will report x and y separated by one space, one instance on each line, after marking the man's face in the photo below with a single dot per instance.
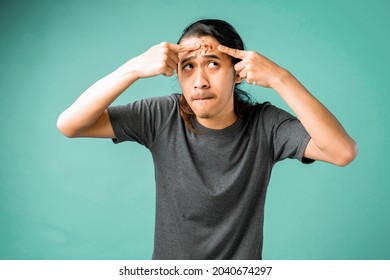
207 79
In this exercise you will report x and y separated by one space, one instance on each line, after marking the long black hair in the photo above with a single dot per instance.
226 35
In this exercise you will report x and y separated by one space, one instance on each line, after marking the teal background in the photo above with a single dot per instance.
89 199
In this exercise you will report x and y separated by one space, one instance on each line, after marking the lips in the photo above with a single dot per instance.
201 97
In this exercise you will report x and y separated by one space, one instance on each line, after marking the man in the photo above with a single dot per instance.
213 150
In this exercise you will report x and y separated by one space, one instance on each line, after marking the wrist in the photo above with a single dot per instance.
281 79
126 71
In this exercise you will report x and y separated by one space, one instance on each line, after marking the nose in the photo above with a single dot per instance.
201 79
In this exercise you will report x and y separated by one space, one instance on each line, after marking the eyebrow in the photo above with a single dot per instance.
193 56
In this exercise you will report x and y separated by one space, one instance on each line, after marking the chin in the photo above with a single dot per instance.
204 114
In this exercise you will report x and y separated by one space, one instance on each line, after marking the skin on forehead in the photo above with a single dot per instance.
207 44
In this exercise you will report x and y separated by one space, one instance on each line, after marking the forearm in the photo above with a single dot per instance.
87 117
329 141
325 130
91 104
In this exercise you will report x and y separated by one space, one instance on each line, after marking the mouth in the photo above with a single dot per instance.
202 97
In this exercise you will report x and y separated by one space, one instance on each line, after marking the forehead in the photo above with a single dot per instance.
207 45
205 41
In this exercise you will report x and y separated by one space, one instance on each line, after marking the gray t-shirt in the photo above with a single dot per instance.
211 187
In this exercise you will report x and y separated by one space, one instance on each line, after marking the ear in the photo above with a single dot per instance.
238 79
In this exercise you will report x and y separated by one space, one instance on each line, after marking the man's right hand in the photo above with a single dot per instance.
159 59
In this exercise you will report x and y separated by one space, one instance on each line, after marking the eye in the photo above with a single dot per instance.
213 64
187 66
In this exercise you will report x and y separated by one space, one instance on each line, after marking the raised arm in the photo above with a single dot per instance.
88 116
329 141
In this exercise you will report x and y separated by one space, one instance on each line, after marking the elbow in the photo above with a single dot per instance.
65 128
348 154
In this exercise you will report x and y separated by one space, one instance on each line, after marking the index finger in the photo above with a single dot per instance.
232 52
184 47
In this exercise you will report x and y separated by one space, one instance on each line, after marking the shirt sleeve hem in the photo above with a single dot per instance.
115 126
302 148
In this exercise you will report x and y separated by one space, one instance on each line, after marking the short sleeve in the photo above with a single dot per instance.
287 136
142 120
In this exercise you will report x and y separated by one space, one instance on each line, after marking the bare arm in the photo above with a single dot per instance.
88 116
329 141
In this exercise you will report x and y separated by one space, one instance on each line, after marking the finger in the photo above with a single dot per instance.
173 56
239 66
184 47
171 64
243 73
168 72
232 52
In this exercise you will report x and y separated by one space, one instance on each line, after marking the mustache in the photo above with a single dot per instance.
201 96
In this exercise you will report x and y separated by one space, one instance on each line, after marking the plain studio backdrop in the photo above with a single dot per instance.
90 199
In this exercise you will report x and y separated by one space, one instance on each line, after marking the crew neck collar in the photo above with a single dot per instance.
217 132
